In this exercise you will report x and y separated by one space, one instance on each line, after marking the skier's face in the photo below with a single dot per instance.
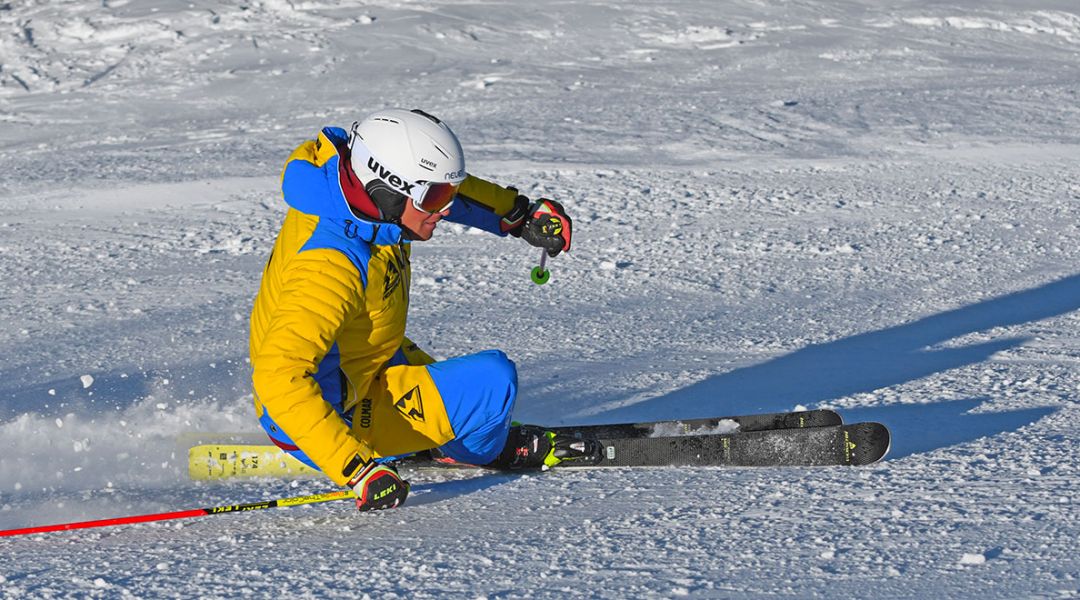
419 223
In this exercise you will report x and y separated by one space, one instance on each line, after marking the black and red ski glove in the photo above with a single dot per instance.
379 486
543 224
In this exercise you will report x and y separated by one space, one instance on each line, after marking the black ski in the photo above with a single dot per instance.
680 427
856 444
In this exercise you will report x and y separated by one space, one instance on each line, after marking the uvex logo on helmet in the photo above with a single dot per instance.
386 175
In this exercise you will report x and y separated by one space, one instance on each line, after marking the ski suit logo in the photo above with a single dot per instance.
366 414
411 405
395 268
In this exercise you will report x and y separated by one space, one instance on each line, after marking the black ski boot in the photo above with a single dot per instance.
533 447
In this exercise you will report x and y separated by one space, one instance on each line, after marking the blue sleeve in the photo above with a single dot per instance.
469 213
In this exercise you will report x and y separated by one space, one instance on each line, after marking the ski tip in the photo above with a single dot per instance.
802 419
822 417
867 442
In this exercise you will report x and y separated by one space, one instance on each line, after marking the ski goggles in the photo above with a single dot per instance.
435 197
427 196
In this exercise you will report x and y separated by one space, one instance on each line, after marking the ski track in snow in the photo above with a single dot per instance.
811 205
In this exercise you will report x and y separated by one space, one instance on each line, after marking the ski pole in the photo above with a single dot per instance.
184 514
539 274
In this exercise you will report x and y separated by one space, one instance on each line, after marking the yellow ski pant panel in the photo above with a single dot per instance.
402 413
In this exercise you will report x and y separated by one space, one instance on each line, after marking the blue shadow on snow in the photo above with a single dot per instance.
875 360
918 428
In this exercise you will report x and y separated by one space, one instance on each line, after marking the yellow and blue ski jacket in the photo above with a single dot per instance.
331 309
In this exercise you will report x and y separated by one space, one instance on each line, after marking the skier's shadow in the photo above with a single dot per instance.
918 428
876 360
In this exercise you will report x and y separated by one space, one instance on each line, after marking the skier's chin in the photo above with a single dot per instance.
421 234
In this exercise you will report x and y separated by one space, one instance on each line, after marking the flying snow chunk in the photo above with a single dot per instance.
972 559
87 381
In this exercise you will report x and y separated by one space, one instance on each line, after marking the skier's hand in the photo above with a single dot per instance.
378 487
543 224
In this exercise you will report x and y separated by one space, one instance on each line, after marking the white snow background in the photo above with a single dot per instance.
776 205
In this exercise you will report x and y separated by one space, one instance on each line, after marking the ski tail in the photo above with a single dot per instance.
231 461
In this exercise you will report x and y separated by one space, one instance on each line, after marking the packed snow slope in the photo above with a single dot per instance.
815 204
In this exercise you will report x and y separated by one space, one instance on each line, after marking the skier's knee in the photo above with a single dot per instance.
499 369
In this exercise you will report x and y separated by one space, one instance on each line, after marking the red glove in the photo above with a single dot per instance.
543 224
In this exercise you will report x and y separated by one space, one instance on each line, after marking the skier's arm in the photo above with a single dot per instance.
414 354
482 204
313 305
502 210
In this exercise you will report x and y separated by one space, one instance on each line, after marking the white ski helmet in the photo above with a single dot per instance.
398 154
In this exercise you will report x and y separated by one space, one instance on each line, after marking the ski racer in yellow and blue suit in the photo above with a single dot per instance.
337 384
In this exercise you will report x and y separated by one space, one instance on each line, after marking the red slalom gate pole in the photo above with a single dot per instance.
185 514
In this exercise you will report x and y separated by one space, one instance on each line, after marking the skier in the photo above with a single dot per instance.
336 382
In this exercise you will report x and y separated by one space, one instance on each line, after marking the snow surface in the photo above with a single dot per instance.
777 205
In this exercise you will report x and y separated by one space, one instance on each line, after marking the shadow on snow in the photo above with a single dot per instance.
430 493
224 379
918 428
876 360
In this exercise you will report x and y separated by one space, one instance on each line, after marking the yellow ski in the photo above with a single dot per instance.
227 461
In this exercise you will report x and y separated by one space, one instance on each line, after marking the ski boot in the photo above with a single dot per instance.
533 447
